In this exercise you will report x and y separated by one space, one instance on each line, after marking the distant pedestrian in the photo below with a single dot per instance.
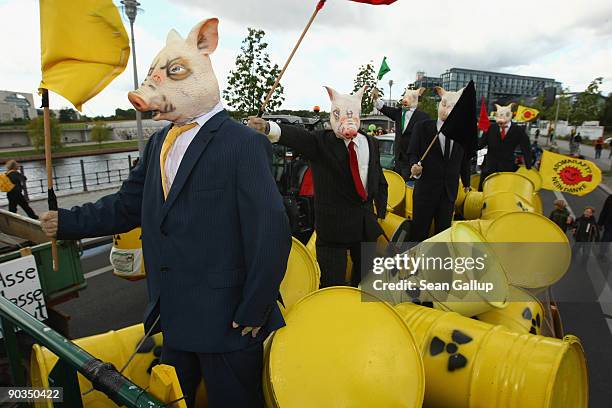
15 196
536 153
561 215
585 227
551 135
610 148
605 220
537 134
599 143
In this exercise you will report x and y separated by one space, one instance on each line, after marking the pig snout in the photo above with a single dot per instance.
138 102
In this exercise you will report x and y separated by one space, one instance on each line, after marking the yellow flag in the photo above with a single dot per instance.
568 175
525 114
84 46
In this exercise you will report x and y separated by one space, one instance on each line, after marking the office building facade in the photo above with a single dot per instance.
16 105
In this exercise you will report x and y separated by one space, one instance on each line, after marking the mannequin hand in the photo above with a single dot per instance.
49 223
259 124
416 170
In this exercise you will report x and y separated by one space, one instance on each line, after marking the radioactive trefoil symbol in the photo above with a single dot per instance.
456 360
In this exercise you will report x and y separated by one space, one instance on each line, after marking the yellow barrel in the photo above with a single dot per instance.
501 203
472 364
533 175
302 275
474 181
536 202
508 182
338 350
447 288
524 313
396 191
534 251
460 196
126 255
408 202
164 385
472 205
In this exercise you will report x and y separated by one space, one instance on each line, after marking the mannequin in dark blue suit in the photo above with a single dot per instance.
215 252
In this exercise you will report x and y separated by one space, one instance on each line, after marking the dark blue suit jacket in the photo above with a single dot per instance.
216 250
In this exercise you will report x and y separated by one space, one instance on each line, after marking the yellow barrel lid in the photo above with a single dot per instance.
530 266
397 188
338 350
533 175
302 275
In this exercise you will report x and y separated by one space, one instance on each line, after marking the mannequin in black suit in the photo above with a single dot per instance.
343 218
405 117
437 176
500 150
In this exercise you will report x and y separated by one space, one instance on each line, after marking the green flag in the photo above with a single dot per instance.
384 68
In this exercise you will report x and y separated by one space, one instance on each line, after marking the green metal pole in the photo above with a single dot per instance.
104 376
13 353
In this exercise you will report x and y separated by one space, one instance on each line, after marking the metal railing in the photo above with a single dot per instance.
72 359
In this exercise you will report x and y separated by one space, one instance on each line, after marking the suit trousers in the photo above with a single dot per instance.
232 379
439 211
332 261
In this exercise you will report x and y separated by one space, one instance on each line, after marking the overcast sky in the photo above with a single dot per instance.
566 40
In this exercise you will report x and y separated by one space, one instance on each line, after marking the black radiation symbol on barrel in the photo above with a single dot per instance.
536 322
456 360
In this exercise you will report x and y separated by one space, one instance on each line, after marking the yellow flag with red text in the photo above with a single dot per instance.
525 114
568 174
84 46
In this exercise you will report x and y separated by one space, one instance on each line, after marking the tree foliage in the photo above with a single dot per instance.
428 104
606 113
36 131
253 76
367 76
588 104
99 133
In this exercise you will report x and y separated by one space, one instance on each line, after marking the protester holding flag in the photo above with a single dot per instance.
440 152
501 140
405 117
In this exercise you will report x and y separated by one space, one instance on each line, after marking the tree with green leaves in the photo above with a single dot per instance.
428 103
367 76
588 105
249 82
68 115
99 133
606 114
36 131
549 113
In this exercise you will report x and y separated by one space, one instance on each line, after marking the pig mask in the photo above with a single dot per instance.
503 114
345 112
447 101
411 97
181 84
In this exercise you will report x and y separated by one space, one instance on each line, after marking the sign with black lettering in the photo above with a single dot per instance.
19 283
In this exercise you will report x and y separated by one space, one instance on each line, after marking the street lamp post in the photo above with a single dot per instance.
390 85
130 7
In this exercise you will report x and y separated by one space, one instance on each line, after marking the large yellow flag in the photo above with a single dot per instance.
84 46
525 114
569 175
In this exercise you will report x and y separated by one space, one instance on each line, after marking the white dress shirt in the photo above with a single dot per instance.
178 149
407 113
361 148
442 138
363 157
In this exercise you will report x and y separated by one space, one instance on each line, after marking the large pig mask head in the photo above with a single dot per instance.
411 97
345 113
181 84
503 114
447 101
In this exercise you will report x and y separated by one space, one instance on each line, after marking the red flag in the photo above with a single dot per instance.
483 120
374 2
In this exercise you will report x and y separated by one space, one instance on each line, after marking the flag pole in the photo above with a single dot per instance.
297 45
52 199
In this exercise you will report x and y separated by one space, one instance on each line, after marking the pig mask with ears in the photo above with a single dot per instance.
181 84
345 113
503 114
447 101
411 97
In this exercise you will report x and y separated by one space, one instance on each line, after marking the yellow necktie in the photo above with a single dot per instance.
171 137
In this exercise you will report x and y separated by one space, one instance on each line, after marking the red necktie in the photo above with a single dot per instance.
503 133
355 171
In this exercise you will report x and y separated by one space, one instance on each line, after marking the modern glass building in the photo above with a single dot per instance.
497 87
427 82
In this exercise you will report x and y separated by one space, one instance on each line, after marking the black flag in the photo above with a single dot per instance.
461 124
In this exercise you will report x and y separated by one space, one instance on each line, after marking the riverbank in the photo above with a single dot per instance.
71 151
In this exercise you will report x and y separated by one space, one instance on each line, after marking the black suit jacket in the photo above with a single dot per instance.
402 138
500 155
215 249
340 215
440 176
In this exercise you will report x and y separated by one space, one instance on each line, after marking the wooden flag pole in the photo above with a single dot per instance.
297 45
52 199
429 147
